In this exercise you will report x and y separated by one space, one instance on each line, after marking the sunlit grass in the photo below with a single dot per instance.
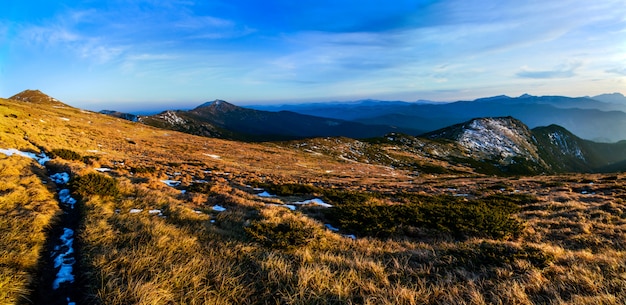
27 208
570 250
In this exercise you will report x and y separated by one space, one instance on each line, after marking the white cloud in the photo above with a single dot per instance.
561 71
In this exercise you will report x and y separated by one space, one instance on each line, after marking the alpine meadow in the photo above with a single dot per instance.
163 217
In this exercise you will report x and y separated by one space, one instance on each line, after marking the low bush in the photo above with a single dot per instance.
378 220
488 217
474 218
289 189
94 184
66 154
143 170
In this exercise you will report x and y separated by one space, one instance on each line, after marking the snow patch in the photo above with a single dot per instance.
172 118
135 211
562 142
41 158
218 208
212 156
265 194
330 227
171 183
64 260
60 178
66 198
288 206
315 201
153 212
103 169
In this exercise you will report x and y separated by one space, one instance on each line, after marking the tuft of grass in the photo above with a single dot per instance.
283 232
94 184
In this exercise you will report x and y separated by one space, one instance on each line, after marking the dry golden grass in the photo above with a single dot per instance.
27 208
571 250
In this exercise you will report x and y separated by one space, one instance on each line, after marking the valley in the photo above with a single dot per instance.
487 211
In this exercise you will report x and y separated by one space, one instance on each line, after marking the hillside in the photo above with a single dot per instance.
163 217
221 119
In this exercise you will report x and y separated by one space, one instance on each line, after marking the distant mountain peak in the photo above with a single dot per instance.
493 98
525 95
35 96
216 106
616 98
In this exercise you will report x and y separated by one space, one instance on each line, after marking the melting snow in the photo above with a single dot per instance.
172 118
265 194
218 208
288 206
41 158
65 197
212 156
171 182
64 261
60 178
315 201
561 141
157 212
135 211
65 119
103 169
330 227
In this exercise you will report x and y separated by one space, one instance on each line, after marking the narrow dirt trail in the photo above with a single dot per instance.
57 277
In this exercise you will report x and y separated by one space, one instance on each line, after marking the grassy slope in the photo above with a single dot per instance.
187 259
27 207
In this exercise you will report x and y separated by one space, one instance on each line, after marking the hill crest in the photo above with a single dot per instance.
36 96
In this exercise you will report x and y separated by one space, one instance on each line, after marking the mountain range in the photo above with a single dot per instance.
600 118
487 145
224 120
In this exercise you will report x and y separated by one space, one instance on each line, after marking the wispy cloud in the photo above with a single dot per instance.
620 71
561 71
277 49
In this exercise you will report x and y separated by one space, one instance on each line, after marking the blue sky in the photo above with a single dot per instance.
158 54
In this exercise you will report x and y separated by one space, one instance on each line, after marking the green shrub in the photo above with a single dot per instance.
488 217
289 189
474 218
94 184
143 170
341 197
66 154
379 220
288 234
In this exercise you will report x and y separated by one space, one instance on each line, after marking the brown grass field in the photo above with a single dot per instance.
570 248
